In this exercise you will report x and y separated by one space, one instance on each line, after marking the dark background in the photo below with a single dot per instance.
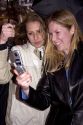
46 7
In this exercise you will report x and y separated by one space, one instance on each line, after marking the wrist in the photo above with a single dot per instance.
26 91
23 95
3 46
2 40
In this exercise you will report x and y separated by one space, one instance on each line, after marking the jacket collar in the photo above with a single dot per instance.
75 69
80 47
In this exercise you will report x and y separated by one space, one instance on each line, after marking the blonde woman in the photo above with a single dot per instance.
61 86
30 37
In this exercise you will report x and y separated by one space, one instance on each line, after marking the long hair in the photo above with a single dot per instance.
21 33
54 59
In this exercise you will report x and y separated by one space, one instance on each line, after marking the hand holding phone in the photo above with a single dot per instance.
16 61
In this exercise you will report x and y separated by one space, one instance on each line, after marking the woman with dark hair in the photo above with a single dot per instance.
61 85
5 21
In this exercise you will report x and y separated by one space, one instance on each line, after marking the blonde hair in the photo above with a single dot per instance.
55 60
21 33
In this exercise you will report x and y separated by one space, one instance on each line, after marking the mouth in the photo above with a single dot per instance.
58 44
37 44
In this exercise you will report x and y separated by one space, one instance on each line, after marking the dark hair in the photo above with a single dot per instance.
6 17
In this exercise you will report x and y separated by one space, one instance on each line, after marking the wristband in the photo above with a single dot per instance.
3 46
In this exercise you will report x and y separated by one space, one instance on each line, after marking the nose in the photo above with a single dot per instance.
54 37
35 36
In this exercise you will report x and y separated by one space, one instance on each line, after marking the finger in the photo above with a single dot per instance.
8 25
25 85
15 71
23 80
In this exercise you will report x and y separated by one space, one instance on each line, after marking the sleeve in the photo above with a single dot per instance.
77 105
41 97
3 46
5 74
77 118
22 95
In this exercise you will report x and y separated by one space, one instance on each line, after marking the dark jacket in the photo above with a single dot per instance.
63 94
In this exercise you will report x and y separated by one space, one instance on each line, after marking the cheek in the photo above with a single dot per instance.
64 36
41 37
67 37
67 41
54 43
30 38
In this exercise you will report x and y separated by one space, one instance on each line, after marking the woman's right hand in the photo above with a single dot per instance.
24 80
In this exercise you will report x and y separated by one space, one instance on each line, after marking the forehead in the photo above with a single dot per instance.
33 25
53 25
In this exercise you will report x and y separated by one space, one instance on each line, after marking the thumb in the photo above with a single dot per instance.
15 71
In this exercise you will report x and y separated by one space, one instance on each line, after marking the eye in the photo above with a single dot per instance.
57 32
39 31
29 33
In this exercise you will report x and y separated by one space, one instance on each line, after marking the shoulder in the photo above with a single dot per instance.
20 47
80 47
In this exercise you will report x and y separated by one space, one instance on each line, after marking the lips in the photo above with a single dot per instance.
57 44
38 42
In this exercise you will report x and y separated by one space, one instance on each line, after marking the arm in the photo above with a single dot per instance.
39 98
5 74
77 118
77 90
6 32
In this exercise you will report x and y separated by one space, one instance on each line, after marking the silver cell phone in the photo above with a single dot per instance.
16 61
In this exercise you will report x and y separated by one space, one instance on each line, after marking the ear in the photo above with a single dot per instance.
72 30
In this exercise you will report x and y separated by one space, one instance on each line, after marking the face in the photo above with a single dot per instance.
60 36
35 33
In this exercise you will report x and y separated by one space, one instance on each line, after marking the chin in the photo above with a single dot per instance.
38 46
60 49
